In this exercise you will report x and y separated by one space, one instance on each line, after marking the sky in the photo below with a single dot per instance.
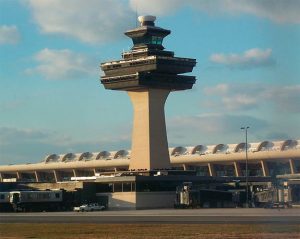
51 99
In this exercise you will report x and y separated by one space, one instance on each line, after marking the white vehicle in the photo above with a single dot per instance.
89 208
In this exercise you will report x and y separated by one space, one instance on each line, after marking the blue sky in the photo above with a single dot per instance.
51 100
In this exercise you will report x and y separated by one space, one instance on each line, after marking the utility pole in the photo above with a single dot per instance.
245 128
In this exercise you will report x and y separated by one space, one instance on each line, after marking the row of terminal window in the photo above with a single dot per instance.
148 40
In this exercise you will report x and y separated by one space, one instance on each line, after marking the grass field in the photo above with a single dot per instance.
147 231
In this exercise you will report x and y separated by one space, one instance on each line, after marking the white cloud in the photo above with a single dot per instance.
218 89
280 11
214 128
20 145
93 21
30 145
215 122
156 7
239 101
9 35
9 134
210 128
286 98
249 59
63 64
10 105
100 21
245 97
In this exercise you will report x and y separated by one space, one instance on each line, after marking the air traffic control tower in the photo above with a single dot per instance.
148 73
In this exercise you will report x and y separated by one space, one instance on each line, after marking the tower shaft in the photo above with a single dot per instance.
149 138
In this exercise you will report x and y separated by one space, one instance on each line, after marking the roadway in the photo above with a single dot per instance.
172 216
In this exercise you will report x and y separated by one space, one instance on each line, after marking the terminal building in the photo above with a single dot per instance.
264 159
147 175
106 174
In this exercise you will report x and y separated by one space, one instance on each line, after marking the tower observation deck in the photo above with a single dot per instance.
148 73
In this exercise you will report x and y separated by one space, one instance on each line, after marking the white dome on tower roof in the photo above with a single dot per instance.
147 18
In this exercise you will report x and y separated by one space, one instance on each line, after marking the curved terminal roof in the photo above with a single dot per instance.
289 144
103 155
178 151
240 147
198 154
52 158
86 156
69 157
219 148
121 154
199 149
265 145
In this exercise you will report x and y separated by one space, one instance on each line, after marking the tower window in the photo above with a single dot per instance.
148 40
156 40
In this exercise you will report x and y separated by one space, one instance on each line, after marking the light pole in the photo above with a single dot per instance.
245 128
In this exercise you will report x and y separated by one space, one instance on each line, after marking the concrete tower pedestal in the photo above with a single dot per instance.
149 137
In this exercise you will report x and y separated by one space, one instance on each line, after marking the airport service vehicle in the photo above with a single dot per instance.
4 202
48 200
89 208
36 200
4 197
274 198
188 196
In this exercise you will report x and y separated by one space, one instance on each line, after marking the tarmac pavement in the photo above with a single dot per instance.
166 216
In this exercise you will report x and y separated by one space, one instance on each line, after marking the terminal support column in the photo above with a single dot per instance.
149 137
264 167
37 176
292 166
211 170
74 173
237 169
55 173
